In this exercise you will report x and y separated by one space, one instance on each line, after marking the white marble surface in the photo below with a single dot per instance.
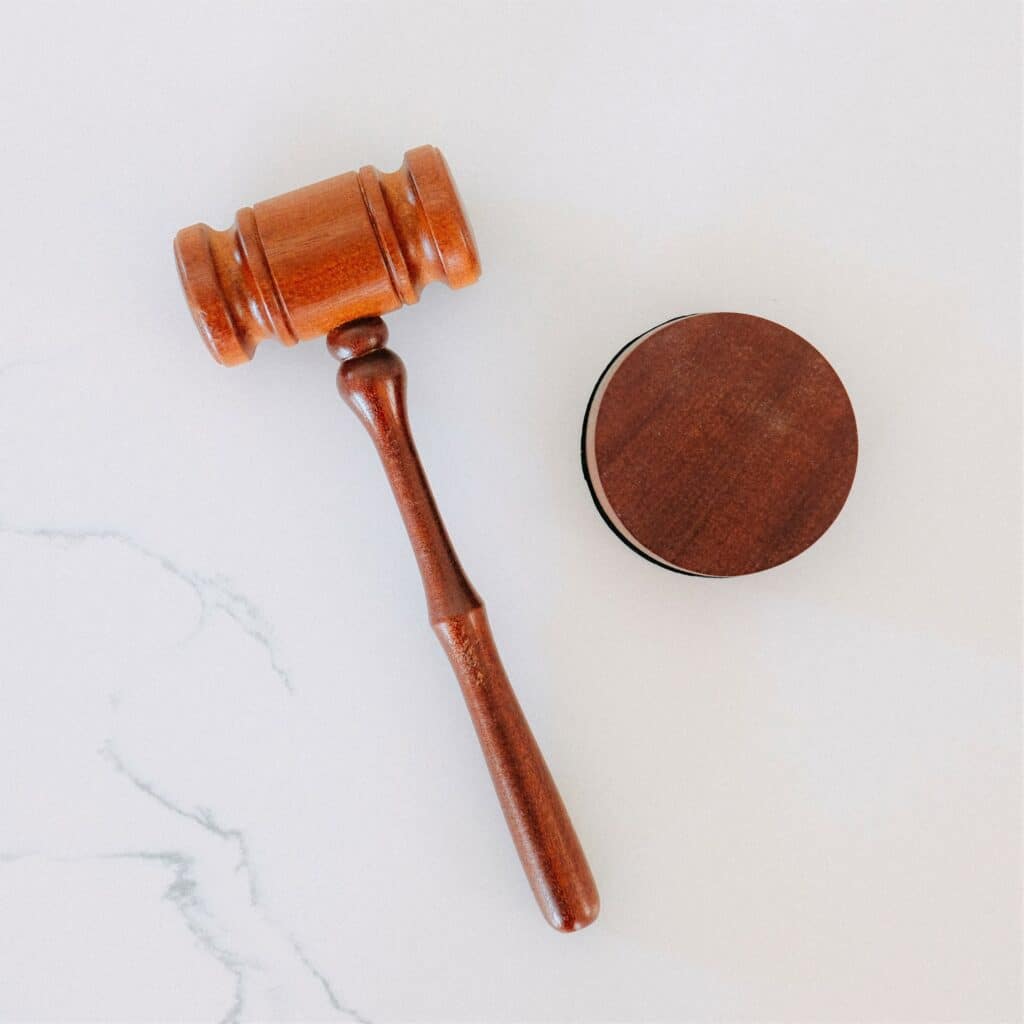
238 783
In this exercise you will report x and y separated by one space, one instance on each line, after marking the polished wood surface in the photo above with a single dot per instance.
340 253
356 245
373 385
720 444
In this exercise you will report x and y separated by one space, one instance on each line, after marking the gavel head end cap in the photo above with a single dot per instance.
450 230
204 294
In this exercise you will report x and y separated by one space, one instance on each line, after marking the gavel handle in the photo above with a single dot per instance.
373 385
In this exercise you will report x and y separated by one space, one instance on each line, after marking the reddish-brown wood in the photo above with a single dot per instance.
339 253
373 385
719 444
353 246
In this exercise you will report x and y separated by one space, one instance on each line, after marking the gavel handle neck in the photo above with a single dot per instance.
373 385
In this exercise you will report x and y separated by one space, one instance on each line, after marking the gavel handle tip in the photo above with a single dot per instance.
541 829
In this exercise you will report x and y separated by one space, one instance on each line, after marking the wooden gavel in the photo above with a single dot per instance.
329 259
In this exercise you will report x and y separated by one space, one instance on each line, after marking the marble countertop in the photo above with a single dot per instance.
238 780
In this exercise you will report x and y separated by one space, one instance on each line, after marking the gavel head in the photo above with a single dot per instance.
353 246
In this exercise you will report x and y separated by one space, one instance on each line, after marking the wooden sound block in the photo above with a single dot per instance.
719 444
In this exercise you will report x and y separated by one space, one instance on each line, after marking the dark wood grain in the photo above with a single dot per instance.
720 444
353 246
373 385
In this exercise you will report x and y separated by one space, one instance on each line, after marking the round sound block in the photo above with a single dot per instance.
719 444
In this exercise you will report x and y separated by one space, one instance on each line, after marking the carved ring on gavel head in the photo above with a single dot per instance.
356 245
329 259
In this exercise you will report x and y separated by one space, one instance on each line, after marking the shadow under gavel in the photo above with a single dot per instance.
329 259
